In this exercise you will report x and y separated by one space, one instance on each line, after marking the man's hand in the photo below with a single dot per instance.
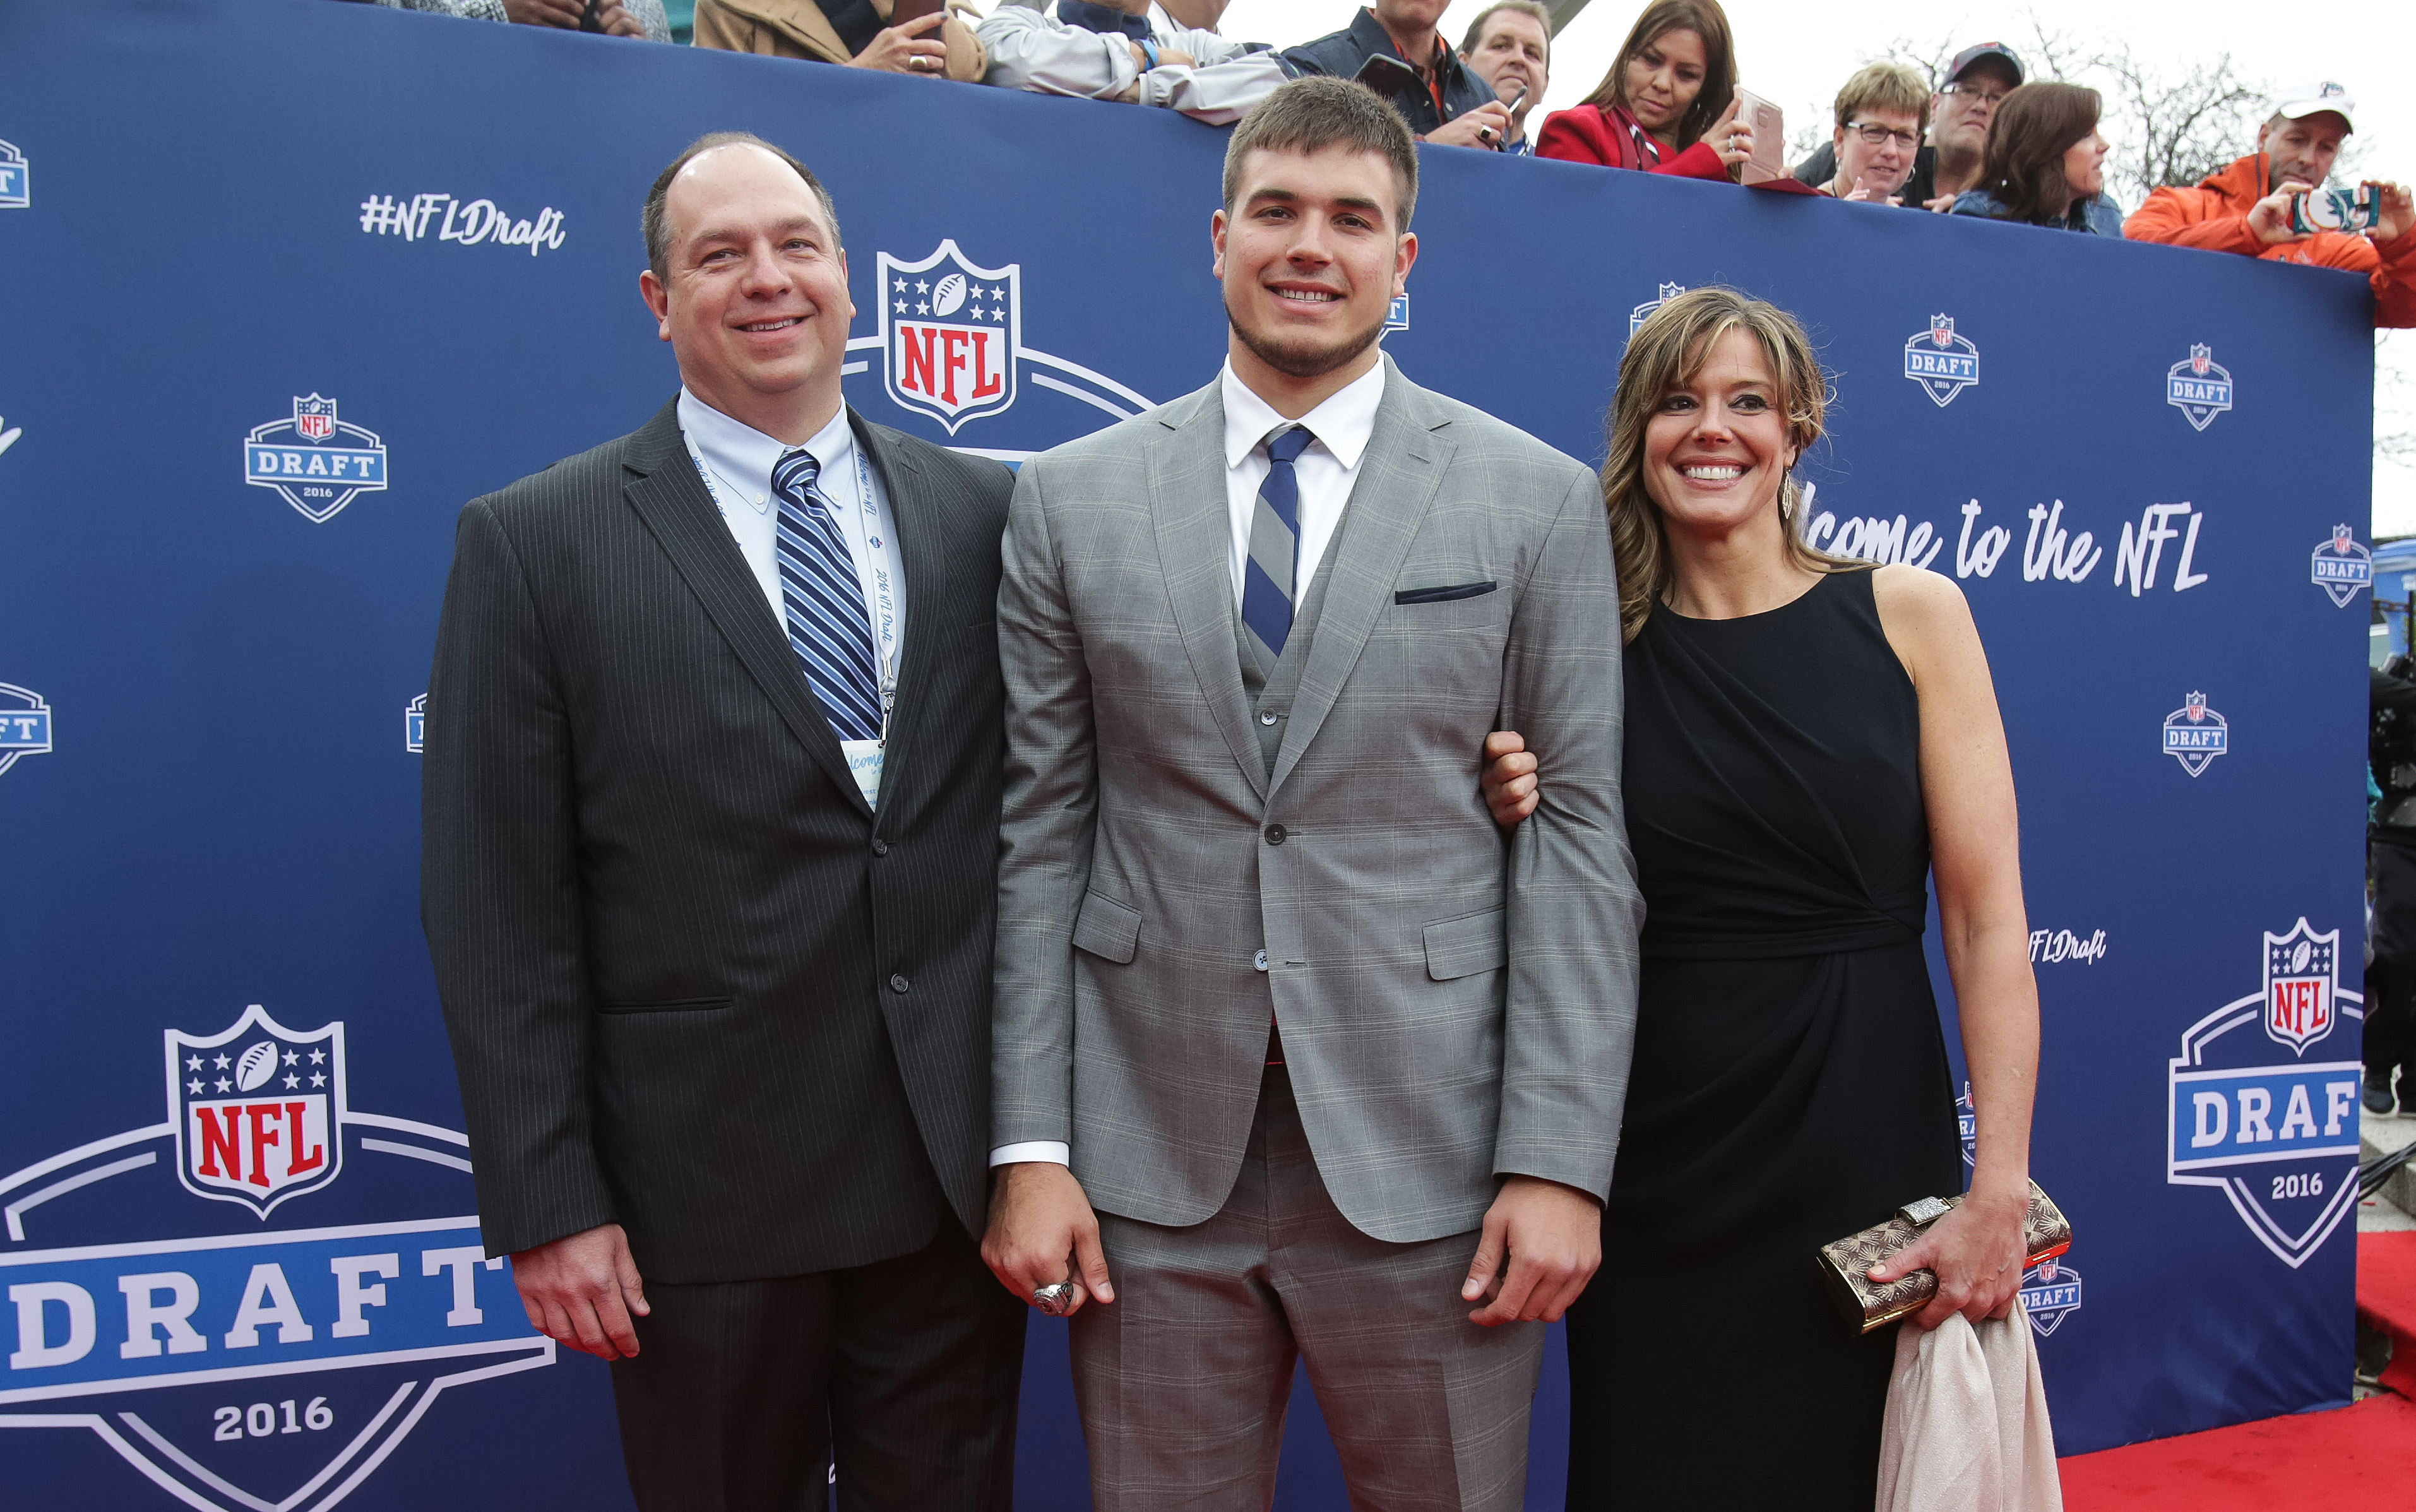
2269 219
1509 782
1487 126
909 48
1553 1235
2398 212
1976 1251
580 1291
1039 1217
619 23
562 13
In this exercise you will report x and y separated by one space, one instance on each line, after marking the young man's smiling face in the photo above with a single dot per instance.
1311 254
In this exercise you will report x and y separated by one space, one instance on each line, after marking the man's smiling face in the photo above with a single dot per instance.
1311 256
756 305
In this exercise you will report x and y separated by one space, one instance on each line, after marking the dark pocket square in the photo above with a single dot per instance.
1442 596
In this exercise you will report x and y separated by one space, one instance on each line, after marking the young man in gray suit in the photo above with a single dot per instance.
1296 1056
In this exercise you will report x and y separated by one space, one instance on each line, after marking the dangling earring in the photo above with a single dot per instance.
1786 504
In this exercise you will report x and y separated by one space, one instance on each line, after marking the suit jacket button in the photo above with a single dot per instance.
1268 717
898 984
879 847
1275 834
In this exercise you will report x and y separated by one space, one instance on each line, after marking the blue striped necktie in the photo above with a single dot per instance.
1267 578
823 600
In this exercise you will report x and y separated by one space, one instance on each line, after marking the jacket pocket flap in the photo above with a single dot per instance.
1107 928
1466 946
1445 595
681 1004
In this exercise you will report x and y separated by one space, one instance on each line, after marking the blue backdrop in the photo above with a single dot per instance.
289 282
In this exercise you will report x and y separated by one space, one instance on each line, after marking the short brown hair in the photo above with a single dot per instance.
650 219
2032 130
1307 115
1884 86
1706 20
1668 350
1534 8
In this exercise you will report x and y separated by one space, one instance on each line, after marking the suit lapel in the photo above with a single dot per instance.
923 544
1195 534
671 499
1398 475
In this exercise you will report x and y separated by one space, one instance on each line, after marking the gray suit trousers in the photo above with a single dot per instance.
1183 1380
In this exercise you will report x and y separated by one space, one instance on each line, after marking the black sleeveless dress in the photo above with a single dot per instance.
1790 1083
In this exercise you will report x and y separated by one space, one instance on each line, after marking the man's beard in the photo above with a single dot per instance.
1300 359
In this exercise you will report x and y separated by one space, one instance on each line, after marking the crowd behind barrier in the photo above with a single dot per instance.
641 617
1668 104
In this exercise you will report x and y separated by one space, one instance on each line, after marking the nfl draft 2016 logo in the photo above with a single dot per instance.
266 1366
24 724
2199 387
948 333
1967 1123
256 1108
1638 316
319 463
2278 1137
1941 362
1397 316
16 191
2195 735
2341 567
2050 1293
415 724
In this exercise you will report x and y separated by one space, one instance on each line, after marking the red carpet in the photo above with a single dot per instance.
2363 1455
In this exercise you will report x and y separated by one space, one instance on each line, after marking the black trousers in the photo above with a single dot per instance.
905 1372
2391 1014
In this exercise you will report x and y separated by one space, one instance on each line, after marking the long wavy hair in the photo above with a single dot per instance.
1664 355
1706 20
2032 130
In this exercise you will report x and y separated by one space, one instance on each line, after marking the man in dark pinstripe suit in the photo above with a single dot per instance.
712 801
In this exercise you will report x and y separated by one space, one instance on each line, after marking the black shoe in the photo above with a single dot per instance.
2377 1092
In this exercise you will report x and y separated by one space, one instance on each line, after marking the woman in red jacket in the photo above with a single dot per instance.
1667 106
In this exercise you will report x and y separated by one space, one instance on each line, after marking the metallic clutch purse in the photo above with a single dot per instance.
1869 1304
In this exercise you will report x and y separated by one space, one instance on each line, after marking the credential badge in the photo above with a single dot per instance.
2195 735
949 334
1941 362
319 463
2199 387
2341 567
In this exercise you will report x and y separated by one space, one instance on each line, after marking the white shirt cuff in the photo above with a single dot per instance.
1054 1151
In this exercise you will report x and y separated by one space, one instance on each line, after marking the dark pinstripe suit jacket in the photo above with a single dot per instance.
694 984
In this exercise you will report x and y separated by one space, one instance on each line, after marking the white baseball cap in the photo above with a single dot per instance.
2313 98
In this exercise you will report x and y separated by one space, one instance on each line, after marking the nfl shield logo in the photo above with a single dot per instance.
949 334
2199 387
1638 316
1941 362
2298 969
258 1109
2050 1293
2195 735
314 418
2341 567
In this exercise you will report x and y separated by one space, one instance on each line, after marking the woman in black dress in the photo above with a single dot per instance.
1807 740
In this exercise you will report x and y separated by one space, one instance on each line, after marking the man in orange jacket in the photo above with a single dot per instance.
2247 207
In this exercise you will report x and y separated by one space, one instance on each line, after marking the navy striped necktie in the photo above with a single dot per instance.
823 602
1268 586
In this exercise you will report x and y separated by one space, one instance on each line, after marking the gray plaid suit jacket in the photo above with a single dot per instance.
1456 1005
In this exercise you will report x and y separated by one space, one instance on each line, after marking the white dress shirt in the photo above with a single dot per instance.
1327 472
736 460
